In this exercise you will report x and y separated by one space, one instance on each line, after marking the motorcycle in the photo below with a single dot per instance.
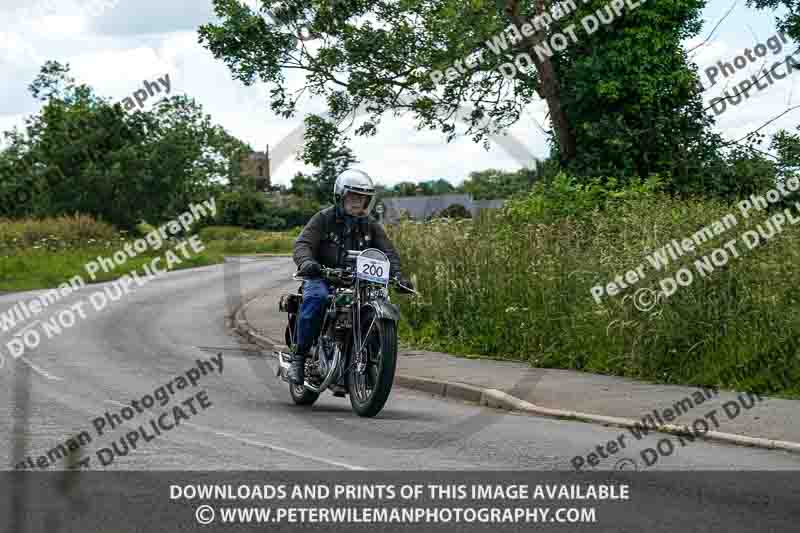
356 351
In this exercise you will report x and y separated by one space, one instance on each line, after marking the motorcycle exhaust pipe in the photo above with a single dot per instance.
282 369
331 371
284 360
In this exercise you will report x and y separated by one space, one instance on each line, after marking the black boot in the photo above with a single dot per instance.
297 369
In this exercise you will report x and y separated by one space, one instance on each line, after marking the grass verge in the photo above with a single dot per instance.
37 254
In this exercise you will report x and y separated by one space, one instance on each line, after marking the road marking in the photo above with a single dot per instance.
261 444
39 371
23 330
277 448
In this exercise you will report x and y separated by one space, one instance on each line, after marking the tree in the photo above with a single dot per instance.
453 211
81 153
406 188
790 22
625 90
436 187
492 183
787 145
327 149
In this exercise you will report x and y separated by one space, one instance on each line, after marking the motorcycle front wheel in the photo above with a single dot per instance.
370 390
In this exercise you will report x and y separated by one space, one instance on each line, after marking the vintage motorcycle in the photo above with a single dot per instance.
356 351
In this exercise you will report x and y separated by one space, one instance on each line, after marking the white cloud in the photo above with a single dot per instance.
117 48
143 17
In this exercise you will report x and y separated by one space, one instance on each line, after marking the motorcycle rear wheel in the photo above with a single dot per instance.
369 391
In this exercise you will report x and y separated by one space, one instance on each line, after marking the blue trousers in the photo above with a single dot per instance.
312 310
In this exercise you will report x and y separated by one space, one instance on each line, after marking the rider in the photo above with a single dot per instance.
324 242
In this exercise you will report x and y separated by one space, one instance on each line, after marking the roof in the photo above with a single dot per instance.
422 207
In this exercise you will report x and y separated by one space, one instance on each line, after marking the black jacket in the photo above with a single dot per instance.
325 239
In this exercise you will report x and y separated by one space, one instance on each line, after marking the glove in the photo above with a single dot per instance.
406 283
310 269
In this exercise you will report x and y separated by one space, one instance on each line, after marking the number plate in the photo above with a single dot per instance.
372 269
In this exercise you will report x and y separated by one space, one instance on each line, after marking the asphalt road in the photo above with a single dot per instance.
157 333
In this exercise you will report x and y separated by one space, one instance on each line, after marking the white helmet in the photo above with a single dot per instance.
357 182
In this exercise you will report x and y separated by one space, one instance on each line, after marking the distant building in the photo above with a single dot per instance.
423 207
256 165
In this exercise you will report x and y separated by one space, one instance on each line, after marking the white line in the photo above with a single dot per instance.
277 448
26 328
20 332
38 370
261 444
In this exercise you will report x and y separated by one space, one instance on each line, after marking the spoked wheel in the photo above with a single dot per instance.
370 390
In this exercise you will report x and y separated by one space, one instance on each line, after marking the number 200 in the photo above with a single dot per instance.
373 270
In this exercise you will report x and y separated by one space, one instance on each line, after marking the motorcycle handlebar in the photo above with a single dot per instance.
339 273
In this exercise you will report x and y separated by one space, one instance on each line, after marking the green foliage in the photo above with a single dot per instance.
42 253
82 154
789 22
522 290
728 171
254 210
453 211
423 188
787 145
143 228
437 187
53 233
629 91
406 188
492 184
235 240
246 209
327 149
567 196
223 233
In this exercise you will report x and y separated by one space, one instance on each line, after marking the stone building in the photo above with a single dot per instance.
256 165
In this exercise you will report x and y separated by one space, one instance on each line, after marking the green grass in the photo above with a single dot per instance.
522 291
36 254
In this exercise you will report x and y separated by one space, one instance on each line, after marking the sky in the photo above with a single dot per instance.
115 45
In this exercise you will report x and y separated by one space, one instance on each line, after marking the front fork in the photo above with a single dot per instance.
380 310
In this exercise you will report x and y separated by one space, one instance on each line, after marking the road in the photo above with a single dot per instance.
158 332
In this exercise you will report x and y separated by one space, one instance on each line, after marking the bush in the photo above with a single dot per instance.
222 233
566 196
518 286
143 228
255 211
245 209
66 231
453 211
